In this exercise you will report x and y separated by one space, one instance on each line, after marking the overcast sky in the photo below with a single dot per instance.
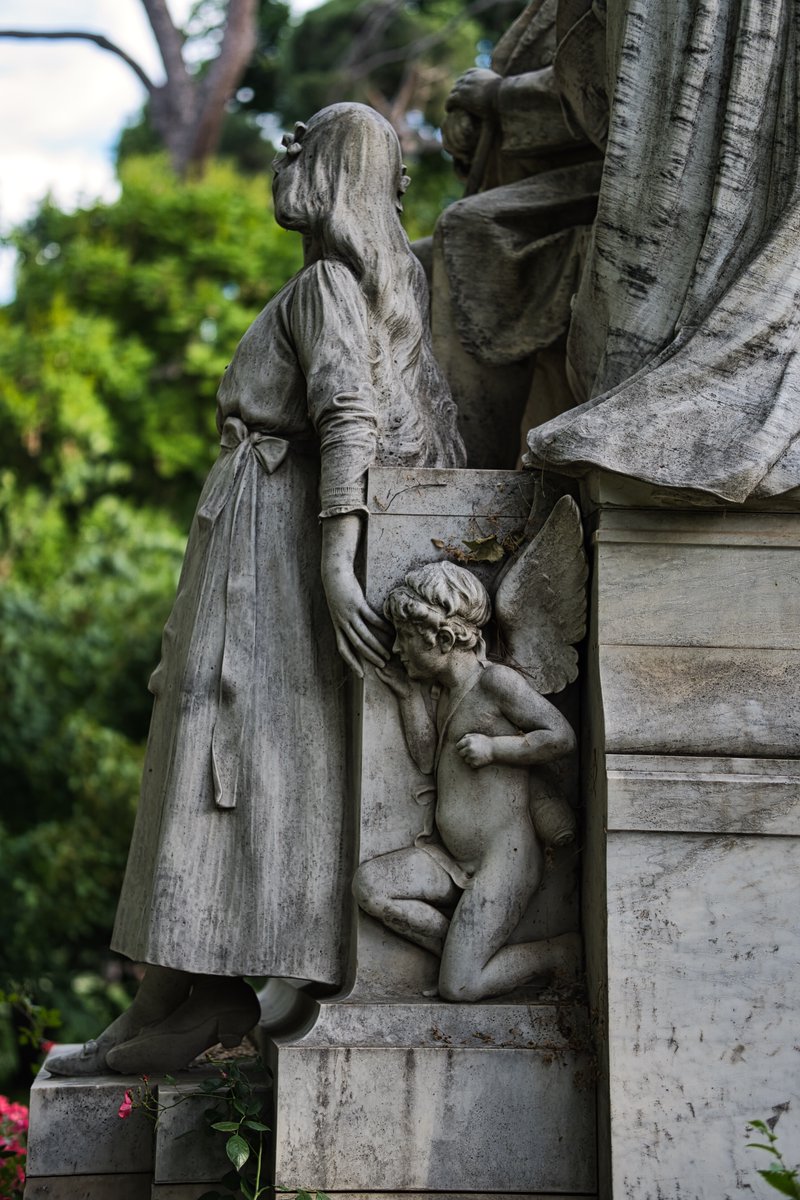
64 103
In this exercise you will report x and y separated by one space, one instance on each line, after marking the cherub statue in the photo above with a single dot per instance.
488 735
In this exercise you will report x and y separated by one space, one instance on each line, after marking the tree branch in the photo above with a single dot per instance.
223 75
168 37
415 49
238 45
84 36
378 17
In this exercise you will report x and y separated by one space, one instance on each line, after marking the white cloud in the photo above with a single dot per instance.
65 103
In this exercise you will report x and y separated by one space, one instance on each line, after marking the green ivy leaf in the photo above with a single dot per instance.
782 1181
237 1151
226 1126
246 1190
257 1125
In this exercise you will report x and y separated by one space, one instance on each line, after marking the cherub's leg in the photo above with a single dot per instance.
401 889
477 961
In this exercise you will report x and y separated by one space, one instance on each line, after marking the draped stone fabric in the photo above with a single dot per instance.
522 239
683 342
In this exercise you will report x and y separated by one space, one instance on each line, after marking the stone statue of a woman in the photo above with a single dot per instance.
241 858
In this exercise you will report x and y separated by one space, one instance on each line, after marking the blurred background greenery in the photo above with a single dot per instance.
110 355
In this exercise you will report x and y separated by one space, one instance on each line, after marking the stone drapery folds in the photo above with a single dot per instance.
682 348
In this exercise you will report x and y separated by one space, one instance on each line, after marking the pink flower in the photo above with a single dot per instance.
126 1107
46 1047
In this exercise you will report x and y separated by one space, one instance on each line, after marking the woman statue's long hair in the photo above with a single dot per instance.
353 158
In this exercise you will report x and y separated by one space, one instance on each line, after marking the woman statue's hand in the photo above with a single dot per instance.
356 625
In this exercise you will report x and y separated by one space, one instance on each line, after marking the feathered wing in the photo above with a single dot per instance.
540 603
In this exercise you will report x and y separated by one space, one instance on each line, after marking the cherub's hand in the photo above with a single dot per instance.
395 678
475 749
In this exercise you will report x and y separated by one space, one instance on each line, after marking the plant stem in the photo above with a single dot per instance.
258 1167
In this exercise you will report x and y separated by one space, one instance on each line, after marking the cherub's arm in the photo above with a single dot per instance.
418 724
544 734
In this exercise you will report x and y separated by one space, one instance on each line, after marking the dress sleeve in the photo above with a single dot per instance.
330 331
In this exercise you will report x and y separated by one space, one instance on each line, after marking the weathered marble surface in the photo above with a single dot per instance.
75 1129
703 947
93 1187
429 1096
79 1147
691 882
700 620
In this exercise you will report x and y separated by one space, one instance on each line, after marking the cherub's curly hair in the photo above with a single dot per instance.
442 596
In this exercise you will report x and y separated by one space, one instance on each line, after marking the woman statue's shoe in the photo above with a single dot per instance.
161 991
218 1010
91 1058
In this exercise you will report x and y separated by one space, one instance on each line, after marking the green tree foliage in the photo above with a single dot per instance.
110 356
401 56
379 52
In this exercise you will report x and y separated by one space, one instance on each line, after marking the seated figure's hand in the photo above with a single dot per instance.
460 134
475 749
476 92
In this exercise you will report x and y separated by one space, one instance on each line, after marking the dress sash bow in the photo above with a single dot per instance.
235 481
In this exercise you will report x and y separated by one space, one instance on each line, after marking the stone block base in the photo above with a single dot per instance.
88 1187
692 890
80 1149
426 1096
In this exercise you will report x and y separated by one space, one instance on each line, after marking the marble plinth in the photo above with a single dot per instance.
80 1149
691 883
75 1128
433 1097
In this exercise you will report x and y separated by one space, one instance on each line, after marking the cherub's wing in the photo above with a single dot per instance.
540 604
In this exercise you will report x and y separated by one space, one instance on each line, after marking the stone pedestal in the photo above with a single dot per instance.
692 889
80 1149
433 1097
392 1090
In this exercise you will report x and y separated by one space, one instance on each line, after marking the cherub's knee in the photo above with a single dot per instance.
369 888
459 986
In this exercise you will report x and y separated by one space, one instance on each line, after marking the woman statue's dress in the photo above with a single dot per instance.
241 858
